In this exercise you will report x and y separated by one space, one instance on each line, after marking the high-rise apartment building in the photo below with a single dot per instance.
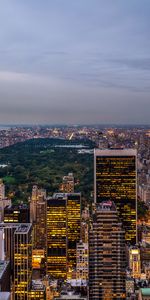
115 174
67 185
73 228
106 254
22 261
63 233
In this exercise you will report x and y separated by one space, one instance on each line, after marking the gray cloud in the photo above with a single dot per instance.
74 61
134 63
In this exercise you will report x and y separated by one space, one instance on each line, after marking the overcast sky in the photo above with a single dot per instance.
75 61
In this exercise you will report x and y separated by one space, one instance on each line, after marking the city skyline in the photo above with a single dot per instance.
74 62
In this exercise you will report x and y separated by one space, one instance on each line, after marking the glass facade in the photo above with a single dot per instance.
56 238
116 181
22 261
63 233
73 228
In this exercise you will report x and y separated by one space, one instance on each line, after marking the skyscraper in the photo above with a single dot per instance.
38 217
73 228
37 195
115 174
63 233
56 237
106 254
22 261
40 224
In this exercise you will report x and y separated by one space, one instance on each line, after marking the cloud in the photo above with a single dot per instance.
134 63
83 61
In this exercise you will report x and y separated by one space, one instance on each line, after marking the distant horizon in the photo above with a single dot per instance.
72 125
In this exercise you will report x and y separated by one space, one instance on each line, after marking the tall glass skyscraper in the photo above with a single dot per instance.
22 261
115 178
63 233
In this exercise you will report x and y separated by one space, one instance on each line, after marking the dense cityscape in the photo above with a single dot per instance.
75 150
54 245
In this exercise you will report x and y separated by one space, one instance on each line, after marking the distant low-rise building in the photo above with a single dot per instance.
67 185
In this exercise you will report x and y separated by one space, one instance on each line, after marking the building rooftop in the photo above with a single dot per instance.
3 266
23 228
115 152
106 205
145 292
4 295
9 225
17 207
37 285
63 195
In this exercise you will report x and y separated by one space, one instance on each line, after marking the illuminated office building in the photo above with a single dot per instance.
106 254
63 233
17 214
38 255
22 261
73 228
56 237
67 185
116 179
